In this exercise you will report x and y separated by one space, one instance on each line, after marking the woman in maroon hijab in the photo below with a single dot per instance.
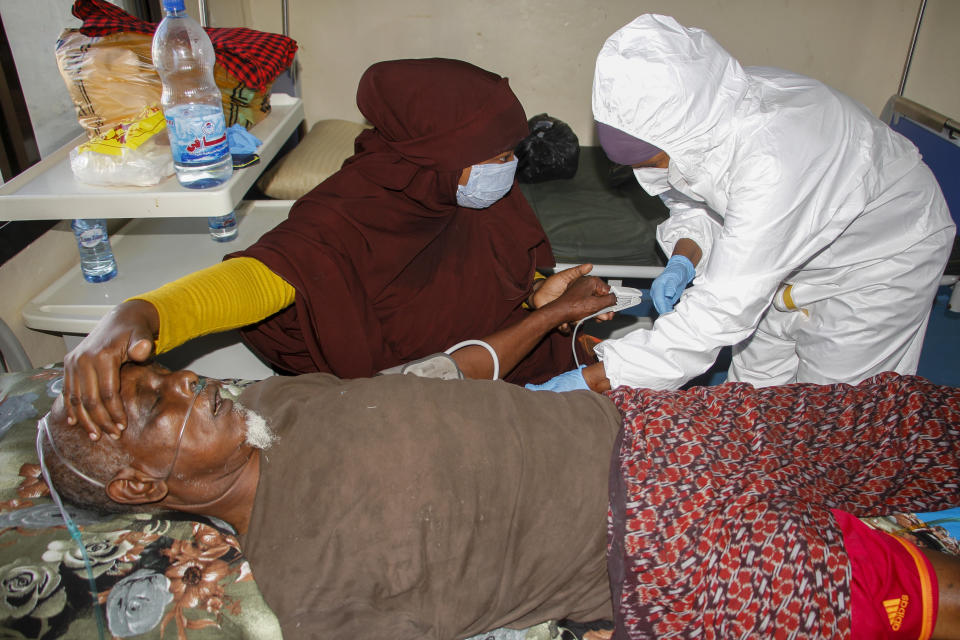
404 252
387 267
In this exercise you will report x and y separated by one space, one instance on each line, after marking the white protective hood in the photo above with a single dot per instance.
667 84
770 173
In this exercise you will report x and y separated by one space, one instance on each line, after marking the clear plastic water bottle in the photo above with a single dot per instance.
184 57
223 228
96 256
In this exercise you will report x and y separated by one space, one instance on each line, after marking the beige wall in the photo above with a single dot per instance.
547 47
934 78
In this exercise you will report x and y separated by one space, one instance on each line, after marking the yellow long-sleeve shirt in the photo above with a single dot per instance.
230 294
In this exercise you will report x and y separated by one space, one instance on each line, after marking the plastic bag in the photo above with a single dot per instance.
114 87
111 79
133 153
550 152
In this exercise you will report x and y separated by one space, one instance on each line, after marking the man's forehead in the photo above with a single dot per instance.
134 369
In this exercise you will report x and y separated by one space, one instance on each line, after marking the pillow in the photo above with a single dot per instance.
318 156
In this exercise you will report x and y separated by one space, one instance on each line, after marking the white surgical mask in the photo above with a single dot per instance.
653 180
487 184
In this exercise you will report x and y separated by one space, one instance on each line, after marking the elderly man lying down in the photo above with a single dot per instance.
411 508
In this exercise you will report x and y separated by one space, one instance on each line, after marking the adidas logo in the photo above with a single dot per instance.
896 610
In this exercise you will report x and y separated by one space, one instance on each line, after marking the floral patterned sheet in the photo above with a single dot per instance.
156 575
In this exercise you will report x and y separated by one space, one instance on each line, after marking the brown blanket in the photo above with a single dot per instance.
404 508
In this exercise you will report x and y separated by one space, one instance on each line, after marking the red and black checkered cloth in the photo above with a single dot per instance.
255 58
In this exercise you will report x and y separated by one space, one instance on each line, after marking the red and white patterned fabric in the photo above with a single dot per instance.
720 523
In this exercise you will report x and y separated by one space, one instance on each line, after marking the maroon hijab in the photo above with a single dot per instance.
387 267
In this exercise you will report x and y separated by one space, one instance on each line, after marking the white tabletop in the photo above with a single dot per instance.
49 191
150 252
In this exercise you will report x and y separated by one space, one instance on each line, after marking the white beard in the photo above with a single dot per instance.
259 435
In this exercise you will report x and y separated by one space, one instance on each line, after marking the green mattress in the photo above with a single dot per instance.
601 215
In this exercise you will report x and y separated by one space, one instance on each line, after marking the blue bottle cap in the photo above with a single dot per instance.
173 5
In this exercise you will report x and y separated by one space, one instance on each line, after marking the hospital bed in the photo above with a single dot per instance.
602 216
166 575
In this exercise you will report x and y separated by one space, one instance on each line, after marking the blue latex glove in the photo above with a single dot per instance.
241 141
668 286
568 381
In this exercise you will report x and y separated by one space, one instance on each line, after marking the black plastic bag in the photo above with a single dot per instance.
550 152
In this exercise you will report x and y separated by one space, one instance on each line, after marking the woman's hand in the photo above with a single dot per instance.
91 381
553 287
583 296
559 284
572 296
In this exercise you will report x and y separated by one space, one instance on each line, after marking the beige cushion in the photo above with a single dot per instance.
318 156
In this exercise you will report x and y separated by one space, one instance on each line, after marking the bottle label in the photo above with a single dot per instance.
227 221
89 238
198 134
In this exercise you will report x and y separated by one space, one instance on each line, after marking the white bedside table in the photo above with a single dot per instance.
151 252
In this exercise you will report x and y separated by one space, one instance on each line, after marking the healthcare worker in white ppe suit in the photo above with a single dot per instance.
813 234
